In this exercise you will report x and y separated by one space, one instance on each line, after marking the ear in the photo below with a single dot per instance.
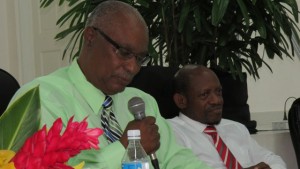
180 100
89 35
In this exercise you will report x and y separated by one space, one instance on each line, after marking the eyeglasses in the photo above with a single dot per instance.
123 52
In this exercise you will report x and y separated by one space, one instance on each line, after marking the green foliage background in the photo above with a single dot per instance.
222 34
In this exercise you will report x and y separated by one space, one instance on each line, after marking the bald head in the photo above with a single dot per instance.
184 76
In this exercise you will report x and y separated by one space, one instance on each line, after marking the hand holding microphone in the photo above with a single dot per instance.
149 134
149 130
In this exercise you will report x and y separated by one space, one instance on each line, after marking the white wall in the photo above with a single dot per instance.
8 35
23 27
272 89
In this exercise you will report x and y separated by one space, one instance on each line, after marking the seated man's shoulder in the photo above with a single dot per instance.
175 122
56 78
233 124
55 81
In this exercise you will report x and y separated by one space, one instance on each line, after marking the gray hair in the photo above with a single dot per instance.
103 12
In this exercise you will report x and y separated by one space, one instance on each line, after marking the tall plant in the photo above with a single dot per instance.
223 34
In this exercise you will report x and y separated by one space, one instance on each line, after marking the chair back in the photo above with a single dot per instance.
8 86
294 126
158 82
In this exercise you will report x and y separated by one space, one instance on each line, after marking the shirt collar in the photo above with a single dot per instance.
192 123
90 93
195 124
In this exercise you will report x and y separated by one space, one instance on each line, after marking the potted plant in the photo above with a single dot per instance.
222 34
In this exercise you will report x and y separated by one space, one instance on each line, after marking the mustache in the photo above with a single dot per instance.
215 107
124 75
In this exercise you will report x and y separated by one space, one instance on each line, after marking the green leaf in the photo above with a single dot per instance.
244 11
259 23
143 3
61 2
292 4
20 121
72 2
218 11
72 12
197 18
45 3
68 31
183 15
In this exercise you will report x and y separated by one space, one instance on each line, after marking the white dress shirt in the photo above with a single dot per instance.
236 136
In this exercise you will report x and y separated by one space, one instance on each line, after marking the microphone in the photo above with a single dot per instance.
137 107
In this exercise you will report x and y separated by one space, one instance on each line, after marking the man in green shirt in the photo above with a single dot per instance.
115 46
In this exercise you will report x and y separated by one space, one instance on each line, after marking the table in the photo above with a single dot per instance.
280 143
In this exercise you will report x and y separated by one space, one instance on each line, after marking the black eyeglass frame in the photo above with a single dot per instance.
125 53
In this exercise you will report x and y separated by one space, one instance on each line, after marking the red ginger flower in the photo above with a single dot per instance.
52 150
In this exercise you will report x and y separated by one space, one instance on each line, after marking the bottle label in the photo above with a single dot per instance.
135 165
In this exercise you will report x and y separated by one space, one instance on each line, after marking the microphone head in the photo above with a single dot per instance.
137 107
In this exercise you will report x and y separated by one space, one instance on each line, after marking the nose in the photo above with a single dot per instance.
131 66
216 98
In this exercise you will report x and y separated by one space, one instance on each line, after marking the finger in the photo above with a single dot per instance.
149 120
262 165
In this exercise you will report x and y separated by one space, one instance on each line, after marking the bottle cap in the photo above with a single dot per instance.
134 134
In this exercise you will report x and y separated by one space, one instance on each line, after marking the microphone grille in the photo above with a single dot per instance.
136 106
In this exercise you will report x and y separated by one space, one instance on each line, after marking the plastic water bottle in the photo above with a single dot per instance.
135 156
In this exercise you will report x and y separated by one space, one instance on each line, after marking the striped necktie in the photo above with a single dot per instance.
227 157
110 125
